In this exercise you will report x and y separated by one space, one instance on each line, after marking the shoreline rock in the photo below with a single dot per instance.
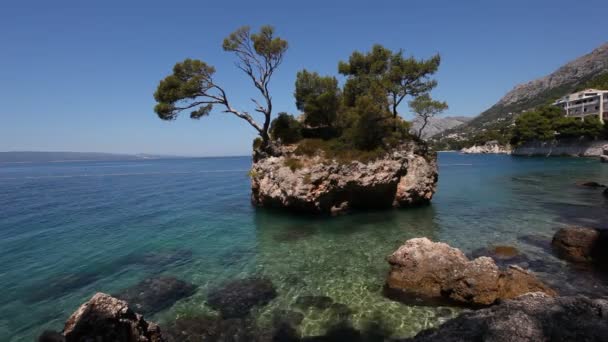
105 318
406 176
490 147
582 245
426 272
574 148
531 317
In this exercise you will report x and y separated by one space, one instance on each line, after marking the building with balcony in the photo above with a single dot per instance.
585 103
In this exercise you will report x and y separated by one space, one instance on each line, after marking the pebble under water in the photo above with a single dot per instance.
180 240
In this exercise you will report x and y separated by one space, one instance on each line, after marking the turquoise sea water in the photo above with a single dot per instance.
68 230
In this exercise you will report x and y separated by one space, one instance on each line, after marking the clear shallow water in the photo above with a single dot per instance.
68 230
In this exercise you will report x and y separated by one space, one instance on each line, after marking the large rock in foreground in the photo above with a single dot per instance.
531 317
433 272
105 318
404 177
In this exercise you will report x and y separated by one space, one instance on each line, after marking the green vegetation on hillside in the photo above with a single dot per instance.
547 123
499 121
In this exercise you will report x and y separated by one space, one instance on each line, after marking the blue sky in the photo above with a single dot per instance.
79 75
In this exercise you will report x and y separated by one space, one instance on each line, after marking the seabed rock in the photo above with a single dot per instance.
105 318
236 298
426 272
503 255
531 317
405 176
581 244
155 294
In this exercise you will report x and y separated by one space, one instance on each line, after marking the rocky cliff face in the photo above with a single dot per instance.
572 76
572 72
404 177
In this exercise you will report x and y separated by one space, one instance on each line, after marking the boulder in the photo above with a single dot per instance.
427 272
237 298
105 318
530 317
406 176
157 293
592 184
581 244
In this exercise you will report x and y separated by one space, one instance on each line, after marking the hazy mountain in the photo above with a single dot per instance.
587 71
31 156
439 124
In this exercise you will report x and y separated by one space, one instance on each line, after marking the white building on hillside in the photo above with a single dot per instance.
584 103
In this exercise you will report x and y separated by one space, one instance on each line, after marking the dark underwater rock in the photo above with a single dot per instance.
503 255
59 286
51 336
294 233
540 241
105 318
236 256
531 317
155 294
236 298
318 302
591 184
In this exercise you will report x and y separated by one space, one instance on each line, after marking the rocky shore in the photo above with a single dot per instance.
405 176
491 147
509 303
427 272
575 148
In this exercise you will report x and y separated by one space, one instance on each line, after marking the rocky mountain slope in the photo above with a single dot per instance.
438 125
589 70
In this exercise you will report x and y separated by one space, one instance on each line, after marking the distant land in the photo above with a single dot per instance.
33 157
439 124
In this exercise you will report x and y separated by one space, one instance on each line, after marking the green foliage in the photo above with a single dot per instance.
265 45
397 75
286 128
319 98
190 79
424 107
293 164
372 125
257 143
548 123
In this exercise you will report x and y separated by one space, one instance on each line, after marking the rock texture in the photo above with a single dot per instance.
404 177
576 148
581 244
431 272
488 148
105 318
531 317
237 298
157 293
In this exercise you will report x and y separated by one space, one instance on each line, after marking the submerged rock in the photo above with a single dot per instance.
581 244
503 255
318 302
426 272
236 298
592 184
403 177
155 294
531 317
105 318
59 286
